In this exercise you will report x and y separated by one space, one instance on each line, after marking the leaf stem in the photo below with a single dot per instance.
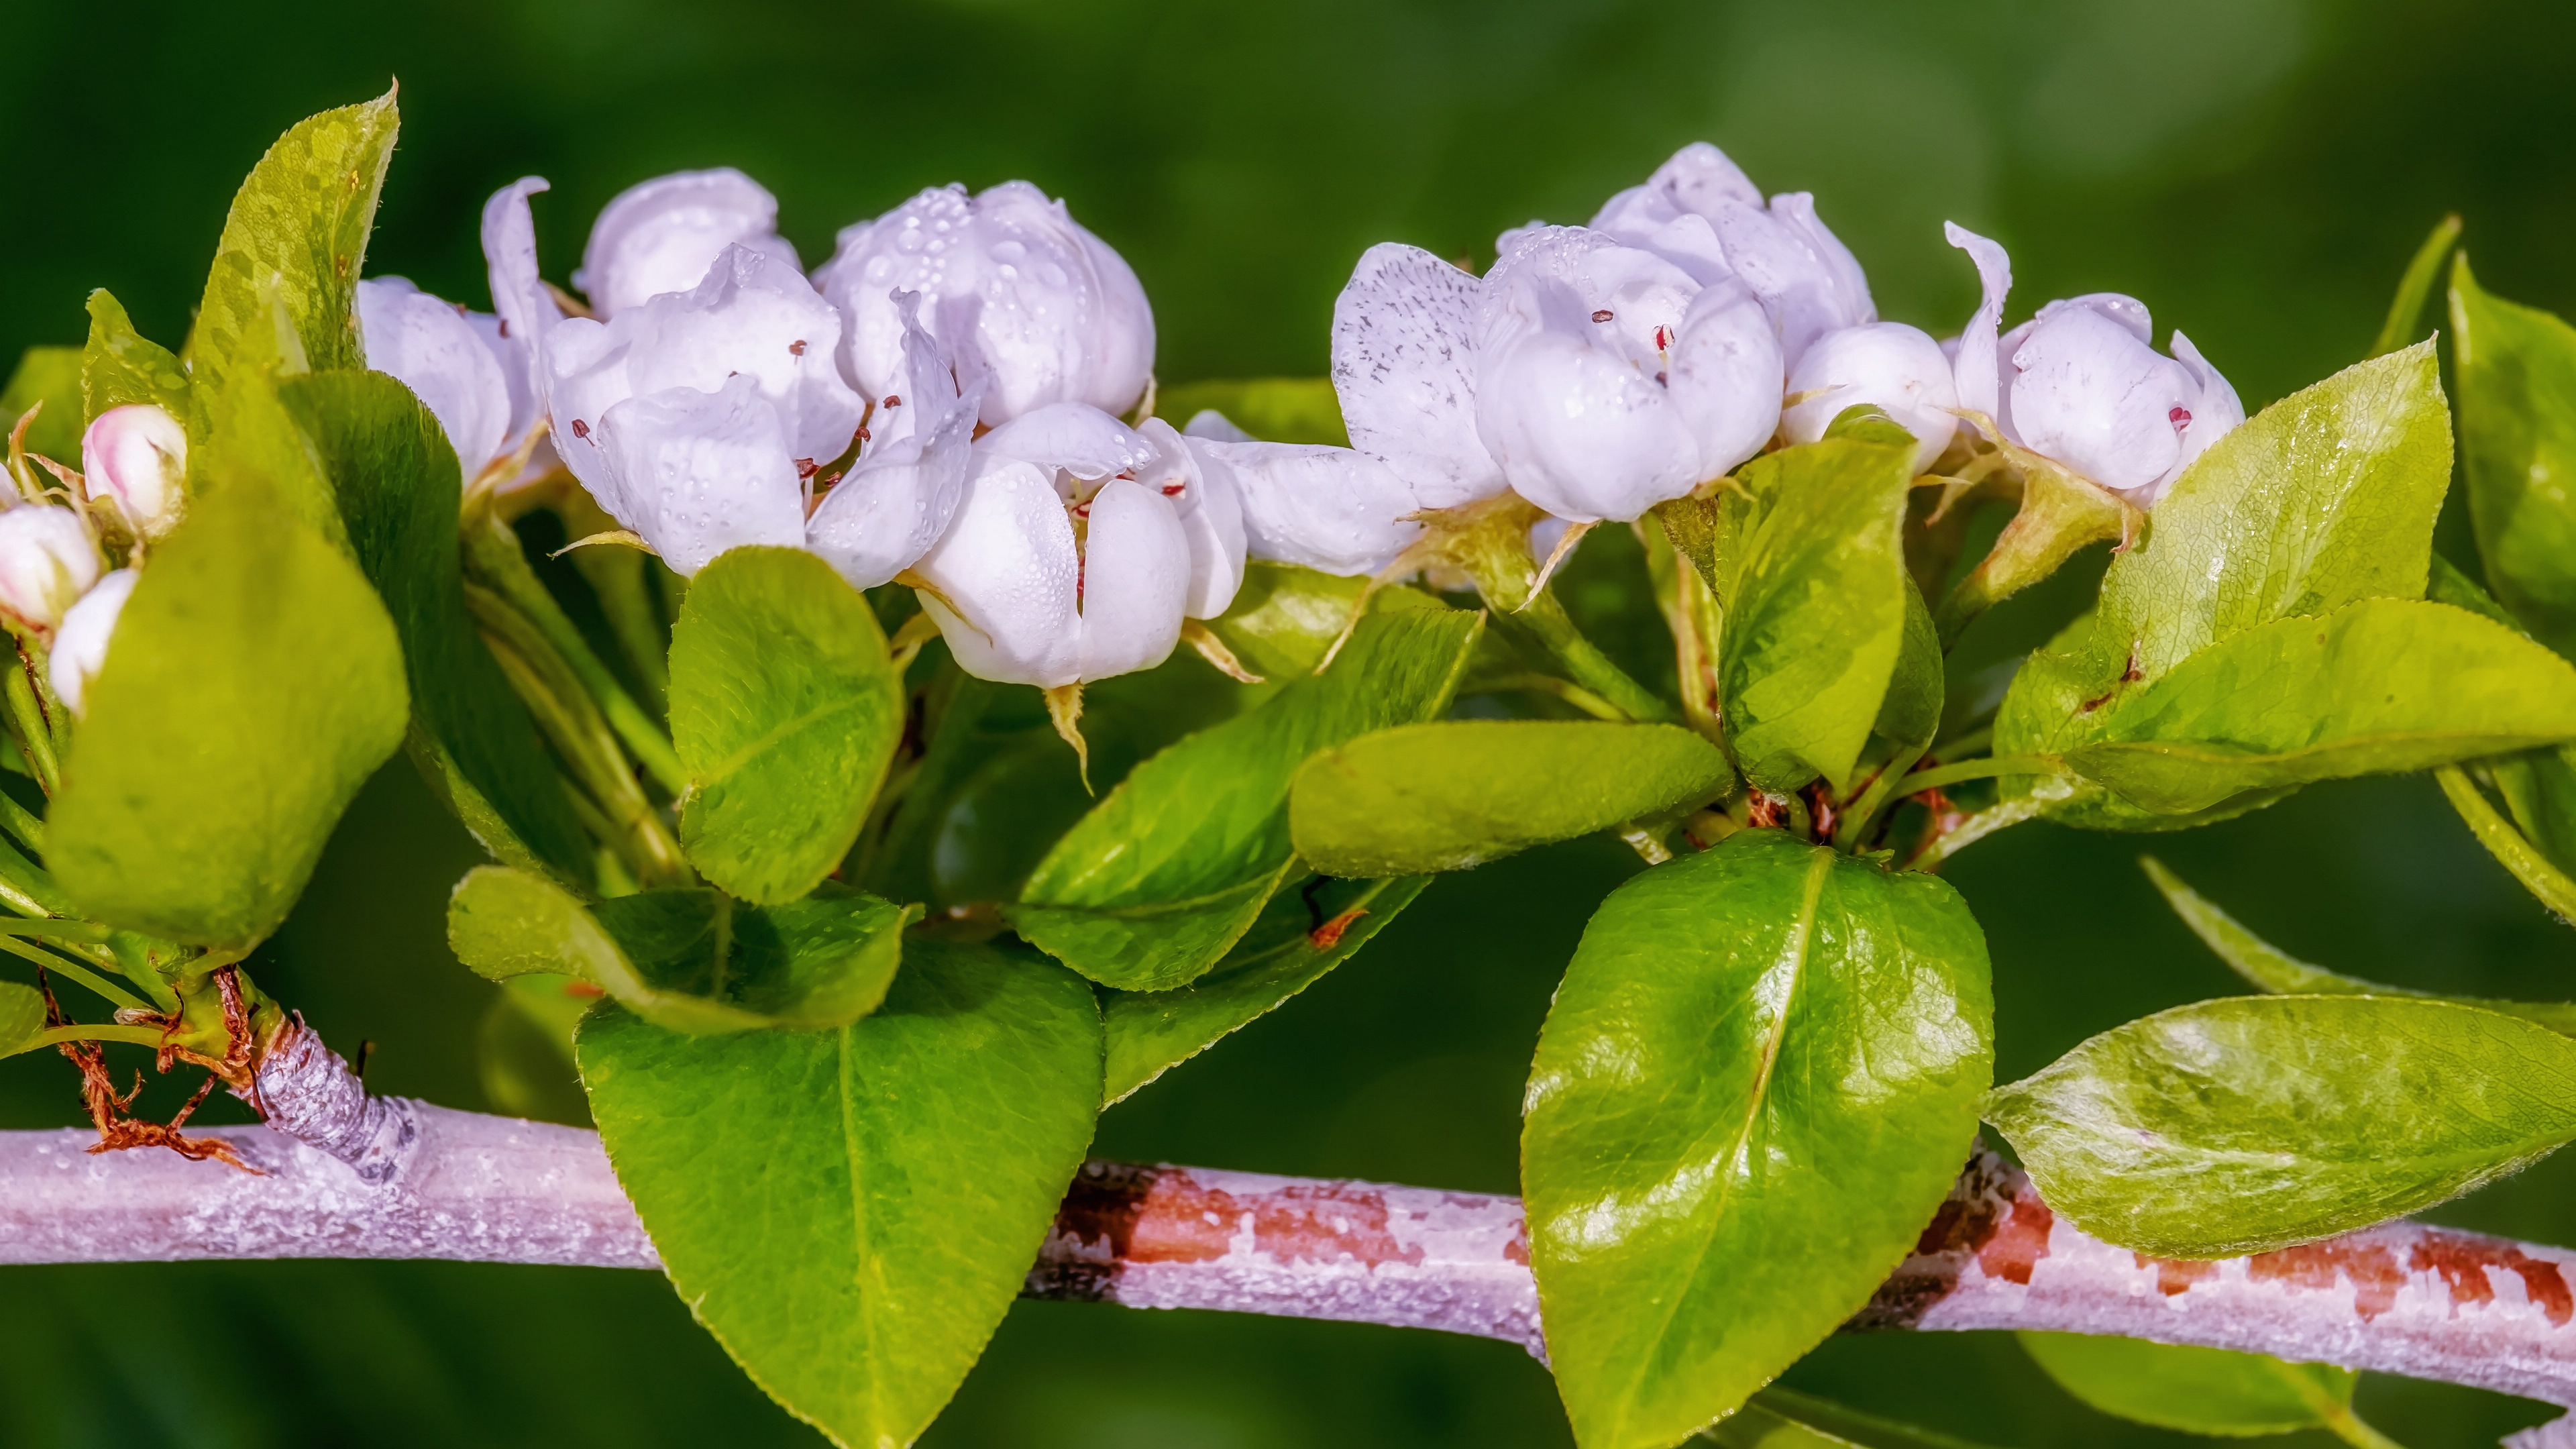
27 722
135 1035
74 971
1984 768
1572 693
23 825
2508 845
1855 824
1544 623
493 556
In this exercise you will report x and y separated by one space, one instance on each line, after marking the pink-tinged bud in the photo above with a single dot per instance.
47 560
137 455
80 647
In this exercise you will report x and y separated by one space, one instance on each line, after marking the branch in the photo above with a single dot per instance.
392 1178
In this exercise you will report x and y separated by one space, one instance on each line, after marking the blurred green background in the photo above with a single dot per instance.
2256 170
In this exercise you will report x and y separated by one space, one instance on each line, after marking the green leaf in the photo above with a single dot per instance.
2196 1390
2276 971
1814 588
851 1212
687 960
1780 1418
2376 687
2415 287
785 709
1754 1088
395 480
254 684
1458 793
2514 851
22 1017
1911 712
121 366
50 376
1151 1032
2323 499
1277 409
2517 379
297 234
1285 618
1152 887
2253 1123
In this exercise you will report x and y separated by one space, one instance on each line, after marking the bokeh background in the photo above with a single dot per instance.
2256 170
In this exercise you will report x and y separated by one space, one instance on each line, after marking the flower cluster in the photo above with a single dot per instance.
949 401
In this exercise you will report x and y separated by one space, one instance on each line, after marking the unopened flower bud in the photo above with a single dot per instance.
137 455
47 560
80 646
1054 313
1887 365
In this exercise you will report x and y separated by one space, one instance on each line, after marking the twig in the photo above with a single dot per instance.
2402 1298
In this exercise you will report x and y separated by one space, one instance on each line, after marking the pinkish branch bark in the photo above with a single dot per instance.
391 1178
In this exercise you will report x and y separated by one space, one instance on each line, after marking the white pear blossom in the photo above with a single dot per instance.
1079 547
1887 365
47 560
695 417
137 456
80 646
1336 510
662 235
900 495
448 362
1807 279
1595 379
1051 312
2082 384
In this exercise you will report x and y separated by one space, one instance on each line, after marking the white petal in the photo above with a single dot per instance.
1008 561
1217 427
80 646
1404 369
137 455
661 235
2119 307
585 377
1975 367
1052 310
1336 510
1887 365
1136 580
1205 499
757 317
905 488
1804 276
2215 413
47 560
527 310
511 356
2095 398
1699 176
436 352
1580 433
1726 376
1075 438
702 472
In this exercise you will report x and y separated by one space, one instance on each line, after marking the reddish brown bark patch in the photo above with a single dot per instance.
1164 1215
2463 1263
2016 1248
2174 1276
2371 1269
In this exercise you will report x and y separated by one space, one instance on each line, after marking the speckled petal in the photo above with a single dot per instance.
1404 369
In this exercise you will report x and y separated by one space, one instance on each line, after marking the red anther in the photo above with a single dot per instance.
827 480
1175 490
863 435
580 429
1601 316
894 400
505 326
796 348
1663 339
2179 418
805 467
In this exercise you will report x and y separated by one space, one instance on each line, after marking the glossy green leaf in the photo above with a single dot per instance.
22 1017
120 366
1288 949
2274 970
1780 1418
687 960
1153 886
50 377
2196 1390
396 483
851 1212
2253 1123
2323 499
2517 378
1814 590
785 709
296 237
1277 409
2376 687
1457 793
254 683
1284 618
1911 712
1754 1088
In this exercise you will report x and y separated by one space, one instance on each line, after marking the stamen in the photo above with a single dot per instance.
2179 418
1601 316
796 348
580 429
